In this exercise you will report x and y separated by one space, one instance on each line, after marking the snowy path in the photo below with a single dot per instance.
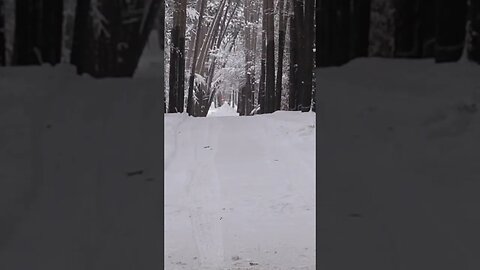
240 192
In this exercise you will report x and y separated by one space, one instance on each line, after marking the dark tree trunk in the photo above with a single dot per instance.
342 31
318 40
193 36
195 49
333 25
242 100
474 31
382 29
208 40
306 95
314 99
115 50
261 87
2 33
83 49
360 23
293 62
249 56
298 54
414 28
161 25
161 41
450 40
284 9
177 59
68 25
38 32
270 58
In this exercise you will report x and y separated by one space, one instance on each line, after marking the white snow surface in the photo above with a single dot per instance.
398 176
224 110
67 143
398 156
240 191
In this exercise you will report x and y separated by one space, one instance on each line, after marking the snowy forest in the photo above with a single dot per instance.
120 142
259 55
239 52
101 38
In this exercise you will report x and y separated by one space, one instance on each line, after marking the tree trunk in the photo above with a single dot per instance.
194 58
474 31
270 60
333 45
450 40
262 87
360 25
343 28
193 35
382 29
249 33
284 9
317 32
207 42
414 28
298 65
67 29
38 32
213 61
2 34
111 49
177 59
294 66
306 97
161 41
83 48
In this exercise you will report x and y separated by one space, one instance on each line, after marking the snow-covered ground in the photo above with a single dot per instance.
224 110
240 191
80 171
399 165
398 176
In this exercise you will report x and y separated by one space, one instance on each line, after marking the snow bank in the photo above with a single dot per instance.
398 165
80 170
224 110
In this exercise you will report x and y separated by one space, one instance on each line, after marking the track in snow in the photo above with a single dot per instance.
239 192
